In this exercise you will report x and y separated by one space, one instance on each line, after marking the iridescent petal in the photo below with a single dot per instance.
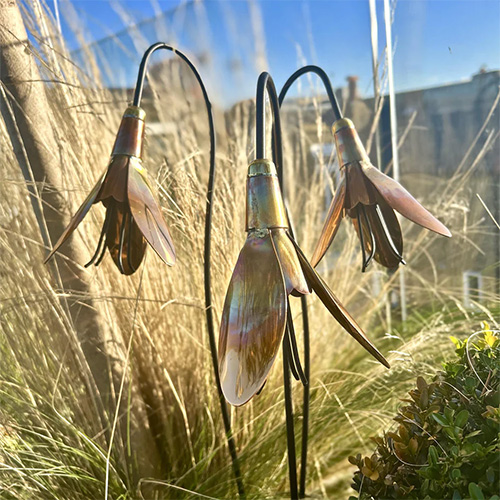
401 200
124 240
337 309
332 223
295 280
147 214
253 320
77 218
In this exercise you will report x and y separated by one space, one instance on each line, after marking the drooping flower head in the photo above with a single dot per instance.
270 267
369 198
133 216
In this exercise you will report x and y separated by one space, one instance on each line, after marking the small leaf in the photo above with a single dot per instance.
456 474
433 455
475 492
456 495
440 419
472 434
461 418
421 384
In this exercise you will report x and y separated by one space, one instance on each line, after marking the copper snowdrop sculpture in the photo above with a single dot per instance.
133 215
369 198
270 267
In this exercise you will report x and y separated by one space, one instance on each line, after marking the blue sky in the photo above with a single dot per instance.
435 41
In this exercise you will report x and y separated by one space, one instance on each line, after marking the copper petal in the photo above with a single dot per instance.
253 320
115 182
295 280
392 223
359 188
147 213
331 225
401 200
124 240
337 309
384 253
77 218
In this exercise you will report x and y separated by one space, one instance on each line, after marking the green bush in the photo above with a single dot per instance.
447 444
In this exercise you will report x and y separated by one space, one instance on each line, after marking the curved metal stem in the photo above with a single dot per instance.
326 82
207 247
265 84
303 302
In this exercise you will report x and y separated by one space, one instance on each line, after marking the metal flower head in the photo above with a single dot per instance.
270 267
133 216
370 197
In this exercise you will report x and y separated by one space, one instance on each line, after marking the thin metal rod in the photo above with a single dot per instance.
299 372
207 246
326 82
303 302
290 433
305 397
265 84
122 241
387 233
373 242
101 239
129 242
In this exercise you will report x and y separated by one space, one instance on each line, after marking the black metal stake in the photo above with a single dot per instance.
305 316
266 83
305 398
207 246
290 432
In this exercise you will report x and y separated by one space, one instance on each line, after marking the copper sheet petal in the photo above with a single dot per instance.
253 320
359 188
384 254
295 280
147 214
77 218
130 259
115 182
337 309
331 225
366 234
401 200
392 223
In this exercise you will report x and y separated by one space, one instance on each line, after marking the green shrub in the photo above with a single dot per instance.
447 444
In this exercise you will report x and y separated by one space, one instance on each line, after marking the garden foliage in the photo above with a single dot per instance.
447 443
